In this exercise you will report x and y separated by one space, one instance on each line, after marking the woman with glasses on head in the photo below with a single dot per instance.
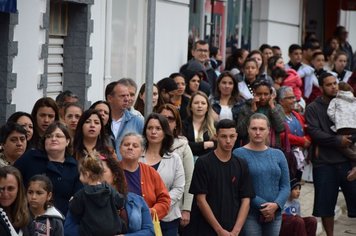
158 154
199 126
262 102
13 142
180 100
54 160
181 147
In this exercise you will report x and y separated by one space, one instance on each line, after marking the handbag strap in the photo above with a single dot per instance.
155 215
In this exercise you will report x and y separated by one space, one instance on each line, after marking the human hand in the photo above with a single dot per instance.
254 103
185 219
307 143
271 101
223 232
234 233
346 140
208 144
268 209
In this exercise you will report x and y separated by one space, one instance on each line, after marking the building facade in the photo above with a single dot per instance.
47 46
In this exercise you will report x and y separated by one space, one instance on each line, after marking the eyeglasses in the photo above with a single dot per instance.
56 136
7 188
202 50
290 97
170 119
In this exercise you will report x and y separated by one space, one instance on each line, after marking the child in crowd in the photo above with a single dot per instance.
290 76
292 222
341 111
278 75
47 220
97 205
250 69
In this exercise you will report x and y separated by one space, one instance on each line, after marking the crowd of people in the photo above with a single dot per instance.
222 153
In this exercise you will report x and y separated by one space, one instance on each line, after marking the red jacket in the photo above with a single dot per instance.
295 140
154 191
293 80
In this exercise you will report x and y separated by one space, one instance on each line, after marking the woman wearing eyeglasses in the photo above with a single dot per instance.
181 147
53 160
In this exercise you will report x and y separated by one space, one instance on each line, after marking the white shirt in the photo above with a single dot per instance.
115 126
225 112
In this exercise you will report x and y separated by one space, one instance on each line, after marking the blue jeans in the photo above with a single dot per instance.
254 227
170 228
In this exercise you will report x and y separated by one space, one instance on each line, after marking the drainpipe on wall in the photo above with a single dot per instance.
201 10
150 53
108 35
239 43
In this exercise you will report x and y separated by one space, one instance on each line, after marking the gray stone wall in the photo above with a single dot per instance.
8 50
77 51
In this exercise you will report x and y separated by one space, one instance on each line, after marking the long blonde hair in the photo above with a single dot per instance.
208 123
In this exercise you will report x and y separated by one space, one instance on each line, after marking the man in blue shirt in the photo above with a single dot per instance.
123 121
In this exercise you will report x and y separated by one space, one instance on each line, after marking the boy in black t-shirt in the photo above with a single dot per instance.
221 186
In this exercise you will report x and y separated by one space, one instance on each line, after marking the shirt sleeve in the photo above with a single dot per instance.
200 180
246 188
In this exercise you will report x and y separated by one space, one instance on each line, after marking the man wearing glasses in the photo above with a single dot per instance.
201 63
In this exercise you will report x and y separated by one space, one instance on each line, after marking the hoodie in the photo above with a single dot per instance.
96 207
342 110
51 221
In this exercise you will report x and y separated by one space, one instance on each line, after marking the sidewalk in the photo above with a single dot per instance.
344 226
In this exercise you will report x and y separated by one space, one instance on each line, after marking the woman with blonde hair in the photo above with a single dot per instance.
199 126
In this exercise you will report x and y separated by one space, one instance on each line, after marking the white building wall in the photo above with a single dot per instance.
348 19
97 42
276 22
27 64
128 47
171 38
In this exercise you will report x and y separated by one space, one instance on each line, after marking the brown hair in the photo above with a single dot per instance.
17 212
119 181
51 128
345 87
178 130
93 165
